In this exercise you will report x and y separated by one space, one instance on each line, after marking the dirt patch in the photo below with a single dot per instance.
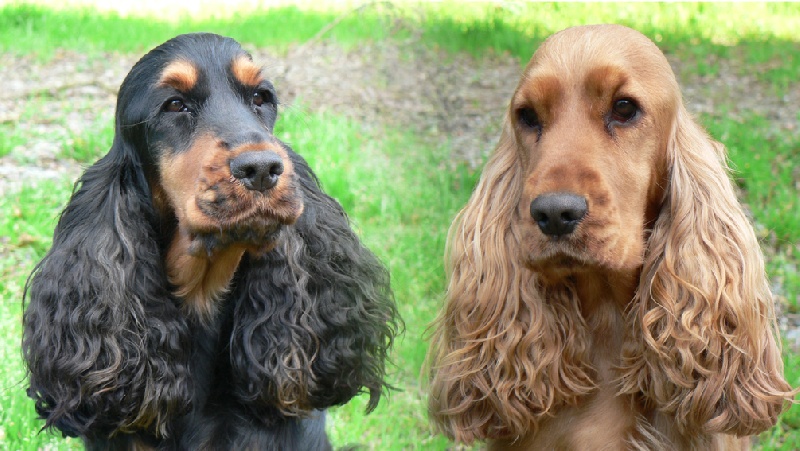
459 99
45 106
736 92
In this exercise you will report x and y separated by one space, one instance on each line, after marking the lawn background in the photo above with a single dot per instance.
402 201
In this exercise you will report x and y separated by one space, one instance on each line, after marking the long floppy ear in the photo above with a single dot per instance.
704 347
105 344
315 317
500 357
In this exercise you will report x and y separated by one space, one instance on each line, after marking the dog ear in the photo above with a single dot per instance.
104 342
704 346
504 352
315 317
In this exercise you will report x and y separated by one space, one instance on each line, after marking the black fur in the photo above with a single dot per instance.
113 358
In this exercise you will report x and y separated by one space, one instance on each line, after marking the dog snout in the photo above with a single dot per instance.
257 171
558 214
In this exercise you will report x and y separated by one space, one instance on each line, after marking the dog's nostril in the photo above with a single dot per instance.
258 171
276 168
572 215
558 214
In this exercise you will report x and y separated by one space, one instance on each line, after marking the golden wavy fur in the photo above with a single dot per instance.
644 320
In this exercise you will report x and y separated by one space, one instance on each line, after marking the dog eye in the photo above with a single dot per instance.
262 97
529 118
624 110
175 106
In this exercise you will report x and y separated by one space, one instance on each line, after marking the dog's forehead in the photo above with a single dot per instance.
183 73
598 58
197 64
589 46
185 59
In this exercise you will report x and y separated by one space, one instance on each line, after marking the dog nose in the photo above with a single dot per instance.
558 213
258 171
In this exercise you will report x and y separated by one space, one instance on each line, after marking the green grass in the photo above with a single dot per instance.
785 436
764 33
765 167
27 219
11 135
400 191
87 146
40 31
10 138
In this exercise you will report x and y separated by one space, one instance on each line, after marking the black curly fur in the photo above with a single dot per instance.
113 358
104 340
335 287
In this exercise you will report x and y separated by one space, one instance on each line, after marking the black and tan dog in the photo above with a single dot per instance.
202 292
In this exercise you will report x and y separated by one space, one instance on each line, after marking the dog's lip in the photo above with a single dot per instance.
207 241
241 226
254 226
258 213
557 253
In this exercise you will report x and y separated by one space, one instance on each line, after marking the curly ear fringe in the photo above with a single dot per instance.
501 357
703 346
315 318
104 351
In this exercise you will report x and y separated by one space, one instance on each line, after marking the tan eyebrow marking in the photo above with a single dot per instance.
544 90
179 74
605 79
246 72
